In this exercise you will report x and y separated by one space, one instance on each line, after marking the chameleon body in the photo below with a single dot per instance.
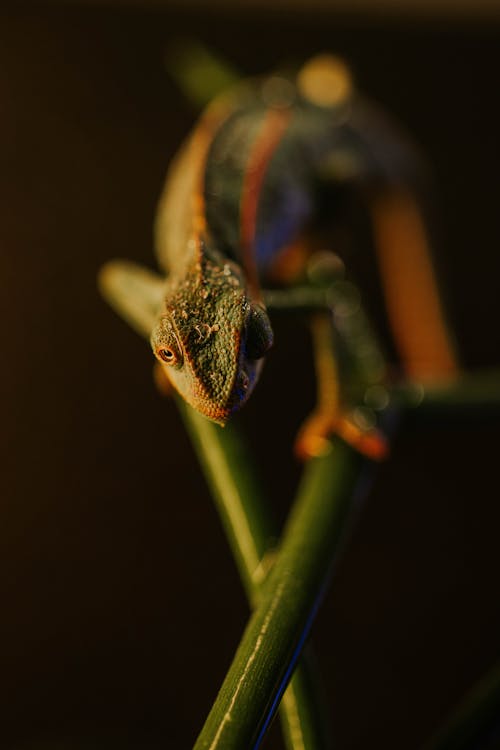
239 192
246 188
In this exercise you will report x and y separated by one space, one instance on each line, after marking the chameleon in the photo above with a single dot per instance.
244 204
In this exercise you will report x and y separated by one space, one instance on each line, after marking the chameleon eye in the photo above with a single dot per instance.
259 334
167 355
165 343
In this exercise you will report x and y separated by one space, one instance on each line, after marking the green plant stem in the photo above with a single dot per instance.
275 634
471 393
237 494
247 523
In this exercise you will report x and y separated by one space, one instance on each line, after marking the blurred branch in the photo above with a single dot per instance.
470 394
198 72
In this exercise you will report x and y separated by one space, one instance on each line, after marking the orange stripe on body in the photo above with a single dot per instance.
410 288
273 127
212 119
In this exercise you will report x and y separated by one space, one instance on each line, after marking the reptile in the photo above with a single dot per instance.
245 204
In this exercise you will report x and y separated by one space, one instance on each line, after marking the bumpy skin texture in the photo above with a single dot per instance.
204 323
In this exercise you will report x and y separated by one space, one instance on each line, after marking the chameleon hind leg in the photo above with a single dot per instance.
331 415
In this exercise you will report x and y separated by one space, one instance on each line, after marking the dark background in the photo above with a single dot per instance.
120 605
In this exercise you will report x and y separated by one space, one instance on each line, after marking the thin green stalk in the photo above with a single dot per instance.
275 634
236 492
246 520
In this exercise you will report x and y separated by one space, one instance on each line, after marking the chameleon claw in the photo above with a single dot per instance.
371 443
313 439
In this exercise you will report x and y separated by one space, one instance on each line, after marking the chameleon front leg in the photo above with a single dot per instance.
346 356
332 414
312 439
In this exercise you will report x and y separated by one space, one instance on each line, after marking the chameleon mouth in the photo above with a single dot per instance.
239 394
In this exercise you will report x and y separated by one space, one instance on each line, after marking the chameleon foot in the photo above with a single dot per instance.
314 437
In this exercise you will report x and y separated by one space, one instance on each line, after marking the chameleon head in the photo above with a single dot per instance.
211 338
